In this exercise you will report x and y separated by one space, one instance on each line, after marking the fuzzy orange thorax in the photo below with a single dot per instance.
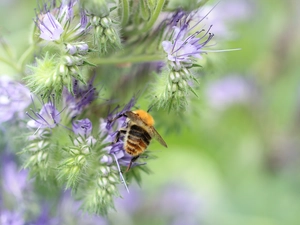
145 117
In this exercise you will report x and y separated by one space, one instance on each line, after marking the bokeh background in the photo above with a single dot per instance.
235 157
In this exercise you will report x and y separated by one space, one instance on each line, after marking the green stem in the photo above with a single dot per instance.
11 64
125 12
133 59
25 55
152 20
156 13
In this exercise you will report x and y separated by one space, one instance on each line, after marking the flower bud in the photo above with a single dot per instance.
82 48
43 144
185 73
107 159
95 20
101 192
102 182
114 168
41 156
174 88
105 22
74 71
85 149
113 178
111 189
107 199
33 147
182 85
63 69
90 141
78 60
68 60
172 76
75 170
80 159
104 170
74 151
99 30
71 49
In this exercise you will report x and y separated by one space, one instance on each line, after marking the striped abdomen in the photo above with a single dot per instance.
136 140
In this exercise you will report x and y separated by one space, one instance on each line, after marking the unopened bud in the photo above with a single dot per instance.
113 178
71 49
174 88
102 182
80 159
68 60
63 69
106 159
182 85
82 48
111 189
101 192
95 20
74 151
104 170
105 22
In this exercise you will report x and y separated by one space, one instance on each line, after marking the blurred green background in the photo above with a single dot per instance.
238 162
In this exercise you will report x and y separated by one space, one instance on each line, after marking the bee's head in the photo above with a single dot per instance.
141 115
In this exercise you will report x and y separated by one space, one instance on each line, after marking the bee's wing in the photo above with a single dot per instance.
157 136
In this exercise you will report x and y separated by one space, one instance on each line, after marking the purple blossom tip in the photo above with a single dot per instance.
185 44
50 28
51 21
229 91
48 117
14 99
82 127
82 97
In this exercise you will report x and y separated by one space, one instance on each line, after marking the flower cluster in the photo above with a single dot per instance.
73 140
184 45
59 28
17 194
87 160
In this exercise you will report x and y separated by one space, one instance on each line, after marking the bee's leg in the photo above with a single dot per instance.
121 131
131 161
119 116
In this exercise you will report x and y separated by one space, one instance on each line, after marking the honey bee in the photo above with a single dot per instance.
138 133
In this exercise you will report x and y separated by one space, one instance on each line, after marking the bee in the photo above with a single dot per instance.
137 133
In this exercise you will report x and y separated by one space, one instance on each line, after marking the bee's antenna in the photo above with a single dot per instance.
121 175
150 107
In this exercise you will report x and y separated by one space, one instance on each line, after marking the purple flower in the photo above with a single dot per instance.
54 22
82 127
131 202
225 14
228 91
14 99
179 204
184 44
14 180
69 212
14 187
82 97
50 28
48 117
11 218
